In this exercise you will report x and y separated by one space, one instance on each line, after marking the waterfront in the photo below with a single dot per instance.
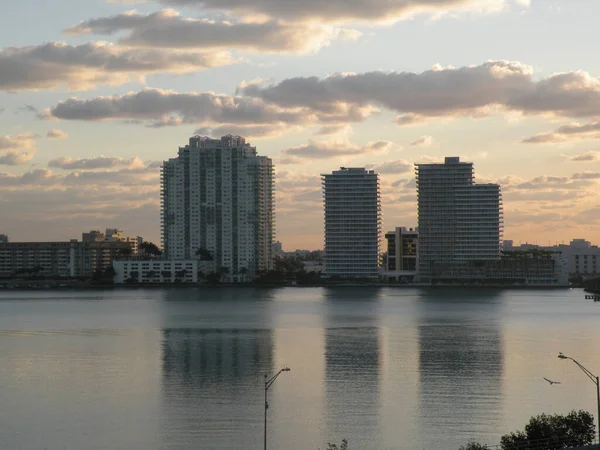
385 368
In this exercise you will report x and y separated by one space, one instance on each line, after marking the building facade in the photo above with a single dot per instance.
217 197
352 223
459 222
48 259
3 238
582 258
402 244
156 271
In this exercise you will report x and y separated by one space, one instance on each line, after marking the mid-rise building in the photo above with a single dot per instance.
402 244
460 222
352 223
47 259
217 200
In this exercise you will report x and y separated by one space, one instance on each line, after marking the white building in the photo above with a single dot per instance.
352 223
581 257
156 271
460 222
217 195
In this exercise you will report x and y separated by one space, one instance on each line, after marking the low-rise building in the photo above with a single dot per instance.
158 271
582 258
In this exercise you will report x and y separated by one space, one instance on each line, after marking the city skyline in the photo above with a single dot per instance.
95 97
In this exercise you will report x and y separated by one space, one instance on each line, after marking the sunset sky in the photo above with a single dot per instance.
95 94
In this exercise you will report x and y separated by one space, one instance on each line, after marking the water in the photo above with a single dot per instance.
385 368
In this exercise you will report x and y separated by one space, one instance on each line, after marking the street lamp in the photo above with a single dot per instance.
595 379
268 383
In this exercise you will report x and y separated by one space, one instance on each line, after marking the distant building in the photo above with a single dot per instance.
352 223
401 258
156 271
217 196
582 258
277 249
460 222
3 238
48 259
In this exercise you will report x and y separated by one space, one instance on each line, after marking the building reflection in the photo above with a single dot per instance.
460 367
213 370
352 365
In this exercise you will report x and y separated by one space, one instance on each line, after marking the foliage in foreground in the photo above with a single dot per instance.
548 432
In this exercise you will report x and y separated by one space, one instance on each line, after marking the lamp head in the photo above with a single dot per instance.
286 369
561 356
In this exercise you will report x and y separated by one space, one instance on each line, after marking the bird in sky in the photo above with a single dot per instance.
550 381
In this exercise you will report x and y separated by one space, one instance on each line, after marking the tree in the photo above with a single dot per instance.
343 446
472 445
126 251
204 254
150 248
222 271
553 432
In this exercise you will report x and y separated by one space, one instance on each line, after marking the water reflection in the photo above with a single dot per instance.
352 365
460 367
212 377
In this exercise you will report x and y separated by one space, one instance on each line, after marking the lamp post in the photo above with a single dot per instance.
268 383
595 379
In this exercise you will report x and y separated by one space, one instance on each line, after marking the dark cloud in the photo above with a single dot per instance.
587 156
442 92
81 67
167 29
343 10
586 176
99 162
568 132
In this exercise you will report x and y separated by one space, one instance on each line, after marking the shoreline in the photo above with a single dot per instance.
45 286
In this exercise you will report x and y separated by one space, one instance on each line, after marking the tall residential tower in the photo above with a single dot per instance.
217 197
352 223
460 222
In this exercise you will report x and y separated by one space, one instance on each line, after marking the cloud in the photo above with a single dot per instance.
167 29
57 134
423 141
19 141
572 131
333 149
586 176
475 91
587 156
99 162
341 10
248 131
15 158
207 108
393 167
80 67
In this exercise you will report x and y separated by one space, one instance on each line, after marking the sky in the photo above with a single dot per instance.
95 94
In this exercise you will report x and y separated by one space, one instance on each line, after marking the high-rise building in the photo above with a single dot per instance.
352 223
460 222
217 201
